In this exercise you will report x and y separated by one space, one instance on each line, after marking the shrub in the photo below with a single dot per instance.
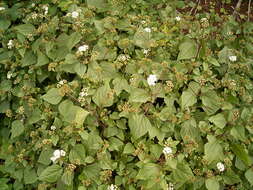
126 94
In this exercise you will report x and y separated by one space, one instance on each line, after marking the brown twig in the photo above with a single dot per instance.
249 10
237 7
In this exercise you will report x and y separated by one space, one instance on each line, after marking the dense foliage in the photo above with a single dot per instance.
124 94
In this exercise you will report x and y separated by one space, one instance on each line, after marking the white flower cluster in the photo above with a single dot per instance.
146 51
123 57
112 187
147 29
167 150
45 9
74 14
82 48
60 83
152 79
53 128
10 44
232 58
2 8
220 166
57 154
178 18
9 75
170 186
82 94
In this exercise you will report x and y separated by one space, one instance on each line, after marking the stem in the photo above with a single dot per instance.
238 5
249 10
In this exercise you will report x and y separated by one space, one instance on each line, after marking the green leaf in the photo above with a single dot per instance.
80 69
213 61
143 39
139 125
120 84
67 177
190 132
249 176
182 173
77 154
238 132
30 176
187 50
213 150
219 120
128 149
25 29
99 4
138 95
240 152
42 59
211 102
103 96
51 174
149 171
52 96
4 24
81 115
45 156
188 99
17 128
73 39
212 184
29 59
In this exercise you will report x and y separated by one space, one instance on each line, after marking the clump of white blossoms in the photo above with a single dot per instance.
232 58
177 18
152 79
170 186
45 9
82 94
9 75
167 150
112 187
2 8
60 83
82 48
53 128
220 166
147 30
57 154
146 51
10 44
74 14
123 57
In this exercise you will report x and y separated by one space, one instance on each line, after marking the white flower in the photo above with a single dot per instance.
82 94
46 9
147 30
83 48
220 166
63 153
74 14
143 22
167 150
123 57
151 80
2 8
57 153
53 128
53 158
232 58
178 18
33 4
145 51
9 75
170 186
112 187
10 44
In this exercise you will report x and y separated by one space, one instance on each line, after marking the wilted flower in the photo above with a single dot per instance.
145 51
2 8
83 48
123 57
152 80
232 58
203 20
10 44
112 187
167 150
147 30
63 153
143 22
74 14
170 186
220 166
82 94
178 18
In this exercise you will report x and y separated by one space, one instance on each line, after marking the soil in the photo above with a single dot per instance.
206 5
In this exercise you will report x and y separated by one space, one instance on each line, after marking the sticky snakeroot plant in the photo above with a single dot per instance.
136 97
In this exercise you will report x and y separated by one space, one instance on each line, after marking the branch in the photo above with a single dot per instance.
238 5
249 10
